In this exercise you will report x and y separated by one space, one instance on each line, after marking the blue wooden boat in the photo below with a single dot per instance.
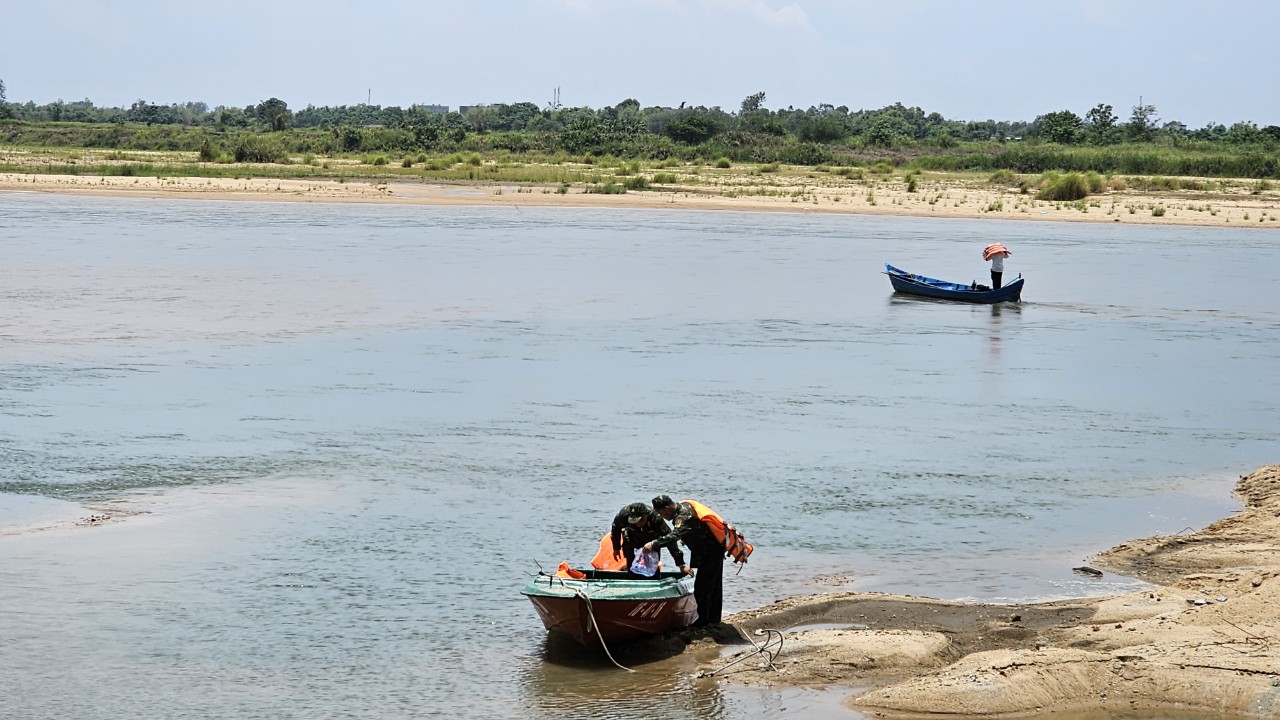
911 284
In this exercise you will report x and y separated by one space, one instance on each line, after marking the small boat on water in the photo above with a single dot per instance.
911 284
611 605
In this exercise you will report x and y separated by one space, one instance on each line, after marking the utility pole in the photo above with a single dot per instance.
369 99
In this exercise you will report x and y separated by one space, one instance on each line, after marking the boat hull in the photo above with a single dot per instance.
612 606
911 284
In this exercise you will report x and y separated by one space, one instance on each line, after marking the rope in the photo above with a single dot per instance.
764 650
592 615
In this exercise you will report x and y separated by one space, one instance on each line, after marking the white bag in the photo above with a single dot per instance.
646 562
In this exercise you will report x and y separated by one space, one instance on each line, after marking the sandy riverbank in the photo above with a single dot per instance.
1230 205
1203 638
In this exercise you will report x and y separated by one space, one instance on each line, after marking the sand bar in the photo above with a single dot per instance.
1203 638
1232 205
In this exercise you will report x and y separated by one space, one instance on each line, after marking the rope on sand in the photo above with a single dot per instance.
770 650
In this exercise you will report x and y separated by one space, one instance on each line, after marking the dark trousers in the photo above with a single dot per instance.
995 279
708 585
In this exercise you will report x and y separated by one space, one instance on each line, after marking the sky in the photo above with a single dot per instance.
1194 61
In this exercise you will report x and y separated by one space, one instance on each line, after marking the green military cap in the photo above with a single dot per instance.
635 511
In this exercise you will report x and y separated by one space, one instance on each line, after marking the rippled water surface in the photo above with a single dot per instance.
350 433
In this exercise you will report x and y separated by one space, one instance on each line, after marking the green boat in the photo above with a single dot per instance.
612 606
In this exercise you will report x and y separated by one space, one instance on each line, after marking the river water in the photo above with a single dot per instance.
336 440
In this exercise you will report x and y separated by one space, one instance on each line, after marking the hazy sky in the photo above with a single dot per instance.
1195 61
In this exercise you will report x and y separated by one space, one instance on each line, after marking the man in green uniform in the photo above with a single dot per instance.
707 553
637 524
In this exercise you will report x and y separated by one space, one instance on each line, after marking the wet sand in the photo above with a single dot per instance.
1201 639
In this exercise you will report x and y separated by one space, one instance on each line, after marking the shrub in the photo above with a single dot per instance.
723 163
609 188
1003 177
256 148
1071 186
208 151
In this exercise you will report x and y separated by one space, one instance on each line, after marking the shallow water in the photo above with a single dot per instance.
352 431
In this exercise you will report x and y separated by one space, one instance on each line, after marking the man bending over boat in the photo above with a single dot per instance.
709 539
637 524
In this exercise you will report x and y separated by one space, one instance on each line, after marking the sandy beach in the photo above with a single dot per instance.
1200 639
1232 204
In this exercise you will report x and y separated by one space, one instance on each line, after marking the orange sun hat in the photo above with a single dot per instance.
994 249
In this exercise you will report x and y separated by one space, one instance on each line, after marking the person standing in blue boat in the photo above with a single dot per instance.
996 253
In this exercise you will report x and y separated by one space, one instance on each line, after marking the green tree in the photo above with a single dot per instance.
274 113
1100 125
888 130
1064 127
824 128
1142 123
482 118
693 129
582 134
5 112
1244 133
752 103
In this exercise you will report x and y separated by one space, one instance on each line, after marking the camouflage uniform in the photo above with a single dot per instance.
627 536
708 557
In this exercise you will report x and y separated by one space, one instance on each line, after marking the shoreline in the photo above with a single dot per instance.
940 197
1198 640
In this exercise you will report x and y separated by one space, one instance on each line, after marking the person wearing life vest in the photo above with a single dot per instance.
708 538
637 524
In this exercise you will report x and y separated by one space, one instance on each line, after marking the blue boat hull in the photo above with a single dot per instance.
905 282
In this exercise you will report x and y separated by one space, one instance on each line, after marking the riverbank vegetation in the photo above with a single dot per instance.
627 145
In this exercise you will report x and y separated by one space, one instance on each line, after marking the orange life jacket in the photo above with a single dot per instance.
735 546
565 571
604 559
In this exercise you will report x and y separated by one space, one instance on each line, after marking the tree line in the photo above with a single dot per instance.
819 134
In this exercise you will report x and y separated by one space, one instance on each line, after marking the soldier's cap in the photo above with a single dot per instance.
635 511
662 501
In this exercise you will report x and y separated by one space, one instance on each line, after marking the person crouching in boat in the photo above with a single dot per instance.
637 524
709 539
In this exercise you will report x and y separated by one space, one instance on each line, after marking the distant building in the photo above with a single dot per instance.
437 109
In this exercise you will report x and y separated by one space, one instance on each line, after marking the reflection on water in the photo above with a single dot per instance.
569 679
351 433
